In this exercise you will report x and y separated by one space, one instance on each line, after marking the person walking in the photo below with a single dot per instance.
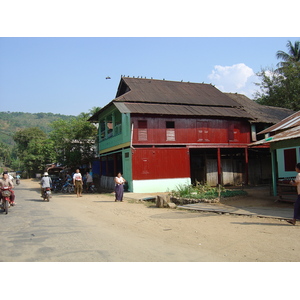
296 183
77 181
119 187
46 182
89 181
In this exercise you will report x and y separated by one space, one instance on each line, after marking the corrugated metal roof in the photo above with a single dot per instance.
291 121
182 110
152 96
175 92
261 113
288 134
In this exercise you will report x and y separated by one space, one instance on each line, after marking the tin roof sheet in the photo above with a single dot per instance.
289 122
261 113
291 133
175 92
181 110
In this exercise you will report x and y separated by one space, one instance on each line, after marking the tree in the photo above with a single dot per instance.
74 140
5 154
25 136
35 149
291 57
281 87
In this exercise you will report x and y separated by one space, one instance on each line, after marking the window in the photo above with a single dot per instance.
118 123
203 131
142 131
110 126
102 129
170 130
290 159
232 133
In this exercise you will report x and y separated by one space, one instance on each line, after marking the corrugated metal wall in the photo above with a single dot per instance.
155 163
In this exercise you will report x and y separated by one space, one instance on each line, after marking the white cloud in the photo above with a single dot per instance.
237 78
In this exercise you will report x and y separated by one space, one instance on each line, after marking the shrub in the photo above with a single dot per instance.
204 191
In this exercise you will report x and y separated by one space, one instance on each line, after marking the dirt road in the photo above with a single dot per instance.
94 228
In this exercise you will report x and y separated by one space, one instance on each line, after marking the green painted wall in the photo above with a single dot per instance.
127 167
121 133
117 140
277 152
279 147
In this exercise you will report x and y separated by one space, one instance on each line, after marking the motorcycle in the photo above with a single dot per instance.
68 188
57 185
17 181
47 194
91 189
5 191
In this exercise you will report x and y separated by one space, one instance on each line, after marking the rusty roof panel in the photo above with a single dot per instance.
261 113
164 91
288 134
289 122
181 110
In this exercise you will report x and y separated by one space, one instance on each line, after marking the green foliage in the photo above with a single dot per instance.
25 143
5 154
205 191
11 122
35 149
74 140
17 164
25 136
293 55
281 87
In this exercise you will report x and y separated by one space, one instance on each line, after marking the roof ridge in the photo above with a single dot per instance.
175 103
166 80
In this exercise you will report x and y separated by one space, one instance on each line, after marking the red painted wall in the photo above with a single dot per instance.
191 131
155 163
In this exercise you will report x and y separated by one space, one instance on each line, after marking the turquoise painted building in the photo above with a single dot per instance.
284 140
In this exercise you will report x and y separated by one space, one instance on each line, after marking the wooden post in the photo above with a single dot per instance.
246 166
219 166
274 172
115 164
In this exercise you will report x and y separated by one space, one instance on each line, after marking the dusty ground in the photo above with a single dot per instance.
257 196
95 228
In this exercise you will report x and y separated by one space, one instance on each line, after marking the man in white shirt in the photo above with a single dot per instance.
77 181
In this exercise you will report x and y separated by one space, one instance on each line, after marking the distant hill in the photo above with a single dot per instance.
10 122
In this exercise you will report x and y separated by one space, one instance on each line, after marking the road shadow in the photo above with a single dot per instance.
264 224
181 215
35 200
105 201
38 190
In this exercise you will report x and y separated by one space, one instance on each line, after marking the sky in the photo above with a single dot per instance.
55 55
67 75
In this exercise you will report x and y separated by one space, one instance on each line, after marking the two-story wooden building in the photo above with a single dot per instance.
163 133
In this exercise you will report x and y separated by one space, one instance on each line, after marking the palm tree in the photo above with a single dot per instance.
291 57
